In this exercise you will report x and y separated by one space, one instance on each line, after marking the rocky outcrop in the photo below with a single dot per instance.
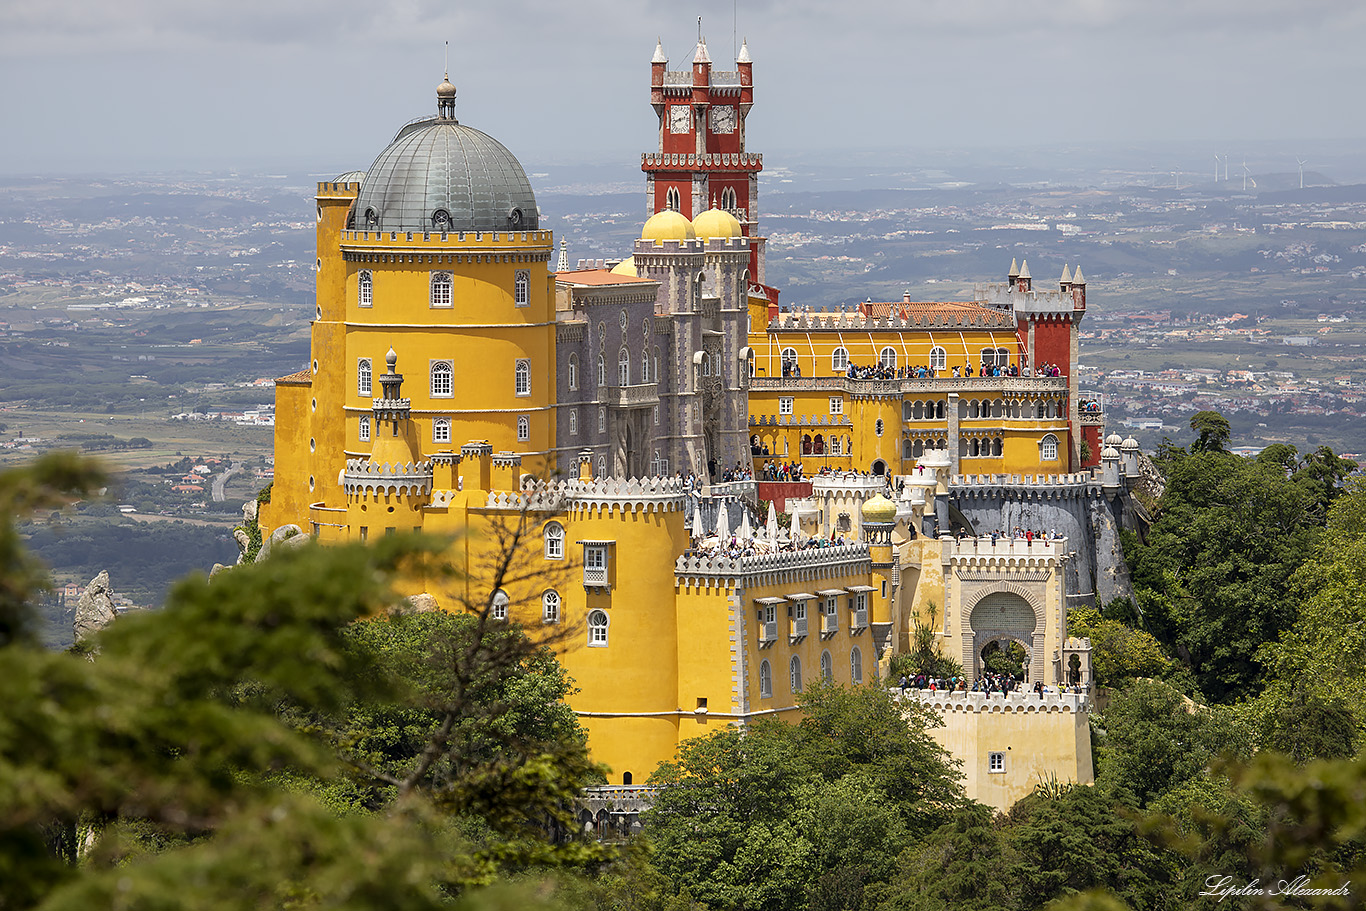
284 536
95 610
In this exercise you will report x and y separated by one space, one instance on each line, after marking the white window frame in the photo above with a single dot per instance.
442 290
365 377
830 615
597 564
827 667
855 665
768 623
364 429
550 606
788 356
441 430
939 358
602 420
365 288
645 366
447 389
574 422
887 357
839 360
522 377
573 371
554 541
794 674
522 288
799 624
599 622
1048 448
523 428
765 680
498 609
996 762
785 404
624 366
837 404
858 604
602 370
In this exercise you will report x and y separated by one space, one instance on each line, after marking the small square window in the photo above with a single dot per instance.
442 283
595 565
523 428
785 405
836 404
996 762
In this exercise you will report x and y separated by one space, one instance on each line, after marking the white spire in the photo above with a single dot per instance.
701 55
743 56
659 52
563 264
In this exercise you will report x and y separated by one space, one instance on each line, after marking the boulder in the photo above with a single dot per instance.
95 610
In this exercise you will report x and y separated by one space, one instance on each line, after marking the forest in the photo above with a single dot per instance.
252 745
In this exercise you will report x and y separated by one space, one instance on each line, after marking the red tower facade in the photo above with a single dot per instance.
701 161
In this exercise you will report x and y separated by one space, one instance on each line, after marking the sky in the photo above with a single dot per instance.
93 86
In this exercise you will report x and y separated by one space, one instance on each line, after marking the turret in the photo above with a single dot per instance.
1079 290
1128 453
701 72
1013 274
1023 280
1109 465
1065 282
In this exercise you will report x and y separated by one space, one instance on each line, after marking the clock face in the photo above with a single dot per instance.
680 119
723 119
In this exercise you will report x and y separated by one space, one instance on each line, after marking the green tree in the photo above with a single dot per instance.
792 814
1213 430
1119 653
1155 739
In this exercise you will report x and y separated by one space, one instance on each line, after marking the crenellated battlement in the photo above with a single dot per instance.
982 552
711 161
810 564
1076 485
627 494
997 703
361 476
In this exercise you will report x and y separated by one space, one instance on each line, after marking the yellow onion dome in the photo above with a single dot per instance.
667 225
715 223
879 509
626 267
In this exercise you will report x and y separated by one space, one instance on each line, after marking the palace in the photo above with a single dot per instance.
457 386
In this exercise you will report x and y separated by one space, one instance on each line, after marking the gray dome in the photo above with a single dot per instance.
439 174
349 177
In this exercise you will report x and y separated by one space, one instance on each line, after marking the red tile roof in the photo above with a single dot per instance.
300 378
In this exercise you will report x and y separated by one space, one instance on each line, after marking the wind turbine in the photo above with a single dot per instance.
1225 167
1216 167
1302 162
1246 177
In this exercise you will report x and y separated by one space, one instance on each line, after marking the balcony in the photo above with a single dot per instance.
1023 385
641 395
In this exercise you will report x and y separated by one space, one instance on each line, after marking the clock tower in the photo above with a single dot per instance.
701 162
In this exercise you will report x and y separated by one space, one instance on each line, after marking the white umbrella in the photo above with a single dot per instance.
771 526
722 520
746 531
697 531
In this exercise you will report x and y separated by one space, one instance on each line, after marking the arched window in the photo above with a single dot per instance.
550 607
655 371
888 357
602 421
365 428
988 357
671 199
907 449
443 383
623 367
919 411
523 428
499 609
365 288
827 667
1002 357
765 680
839 360
572 372
728 198
602 371
522 382
441 430
574 423
706 364
371 220
938 358
522 288
554 541
856 665
918 449
789 357
363 374
1048 448
441 289
794 672
996 447
597 629
645 366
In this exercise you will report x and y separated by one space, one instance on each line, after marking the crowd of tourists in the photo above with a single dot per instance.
781 471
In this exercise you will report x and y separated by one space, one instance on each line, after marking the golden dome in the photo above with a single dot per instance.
716 223
626 267
445 89
879 509
667 225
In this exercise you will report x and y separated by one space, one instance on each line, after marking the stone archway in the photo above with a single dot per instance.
1004 615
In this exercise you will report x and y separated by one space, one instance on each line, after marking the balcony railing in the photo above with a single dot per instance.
980 384
632 396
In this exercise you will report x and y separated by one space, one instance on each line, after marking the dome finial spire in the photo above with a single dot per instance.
445 92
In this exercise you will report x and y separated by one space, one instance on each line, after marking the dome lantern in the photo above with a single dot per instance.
445 99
